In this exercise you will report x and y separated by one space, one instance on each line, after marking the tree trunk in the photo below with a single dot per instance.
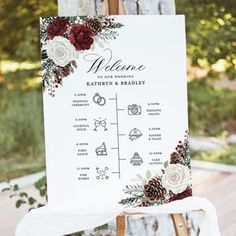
133 7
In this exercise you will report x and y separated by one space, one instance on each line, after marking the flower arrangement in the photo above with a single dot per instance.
63 39
172 183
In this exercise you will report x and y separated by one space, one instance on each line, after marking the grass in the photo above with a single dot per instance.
210 108
225 156
21 134
21 126
19 165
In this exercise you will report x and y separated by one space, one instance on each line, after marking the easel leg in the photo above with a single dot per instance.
180 225
120 225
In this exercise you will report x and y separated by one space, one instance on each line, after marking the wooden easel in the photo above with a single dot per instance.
113 7
179 223
116 7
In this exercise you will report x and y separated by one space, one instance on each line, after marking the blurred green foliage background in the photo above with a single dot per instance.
211 43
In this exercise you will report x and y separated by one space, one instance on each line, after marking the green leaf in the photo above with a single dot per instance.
166 164
6 189
43 192
23 194
102 227
41 186
13 195
19 203
41 183
31 200
148 174
144 181
15 187
74 63
31 208
44 54
139 176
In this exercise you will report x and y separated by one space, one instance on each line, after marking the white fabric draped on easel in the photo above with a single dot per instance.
46 222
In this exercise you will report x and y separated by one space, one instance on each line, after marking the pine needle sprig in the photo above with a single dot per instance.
187 158
134 190
108 35
114 25
131 201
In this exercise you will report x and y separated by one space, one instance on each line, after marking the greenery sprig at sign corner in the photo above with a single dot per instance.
173 183
63 39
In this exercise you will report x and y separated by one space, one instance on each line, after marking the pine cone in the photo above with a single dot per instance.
175 158
94 24
154 190
144 203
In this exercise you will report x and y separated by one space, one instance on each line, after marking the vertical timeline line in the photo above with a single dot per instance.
118 140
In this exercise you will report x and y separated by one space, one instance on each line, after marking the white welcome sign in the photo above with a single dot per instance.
115 111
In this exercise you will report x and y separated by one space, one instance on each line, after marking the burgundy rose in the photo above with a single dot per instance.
187 193
57 28
81 37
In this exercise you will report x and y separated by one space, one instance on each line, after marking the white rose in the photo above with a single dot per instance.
176 178
61 51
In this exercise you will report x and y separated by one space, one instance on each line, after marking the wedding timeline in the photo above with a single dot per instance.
115 111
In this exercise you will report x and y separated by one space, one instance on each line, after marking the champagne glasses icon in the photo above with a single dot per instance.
96 125
100 122
104 124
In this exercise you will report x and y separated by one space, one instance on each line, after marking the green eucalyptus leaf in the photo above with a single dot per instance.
139 177
74 63
148 174
6 189
23 194
13 195
19 203
31 200
15 187
166 164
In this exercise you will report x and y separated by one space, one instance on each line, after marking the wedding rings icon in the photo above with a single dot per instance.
98 99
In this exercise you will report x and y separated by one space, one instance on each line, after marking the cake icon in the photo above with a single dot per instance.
136 160
101 150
